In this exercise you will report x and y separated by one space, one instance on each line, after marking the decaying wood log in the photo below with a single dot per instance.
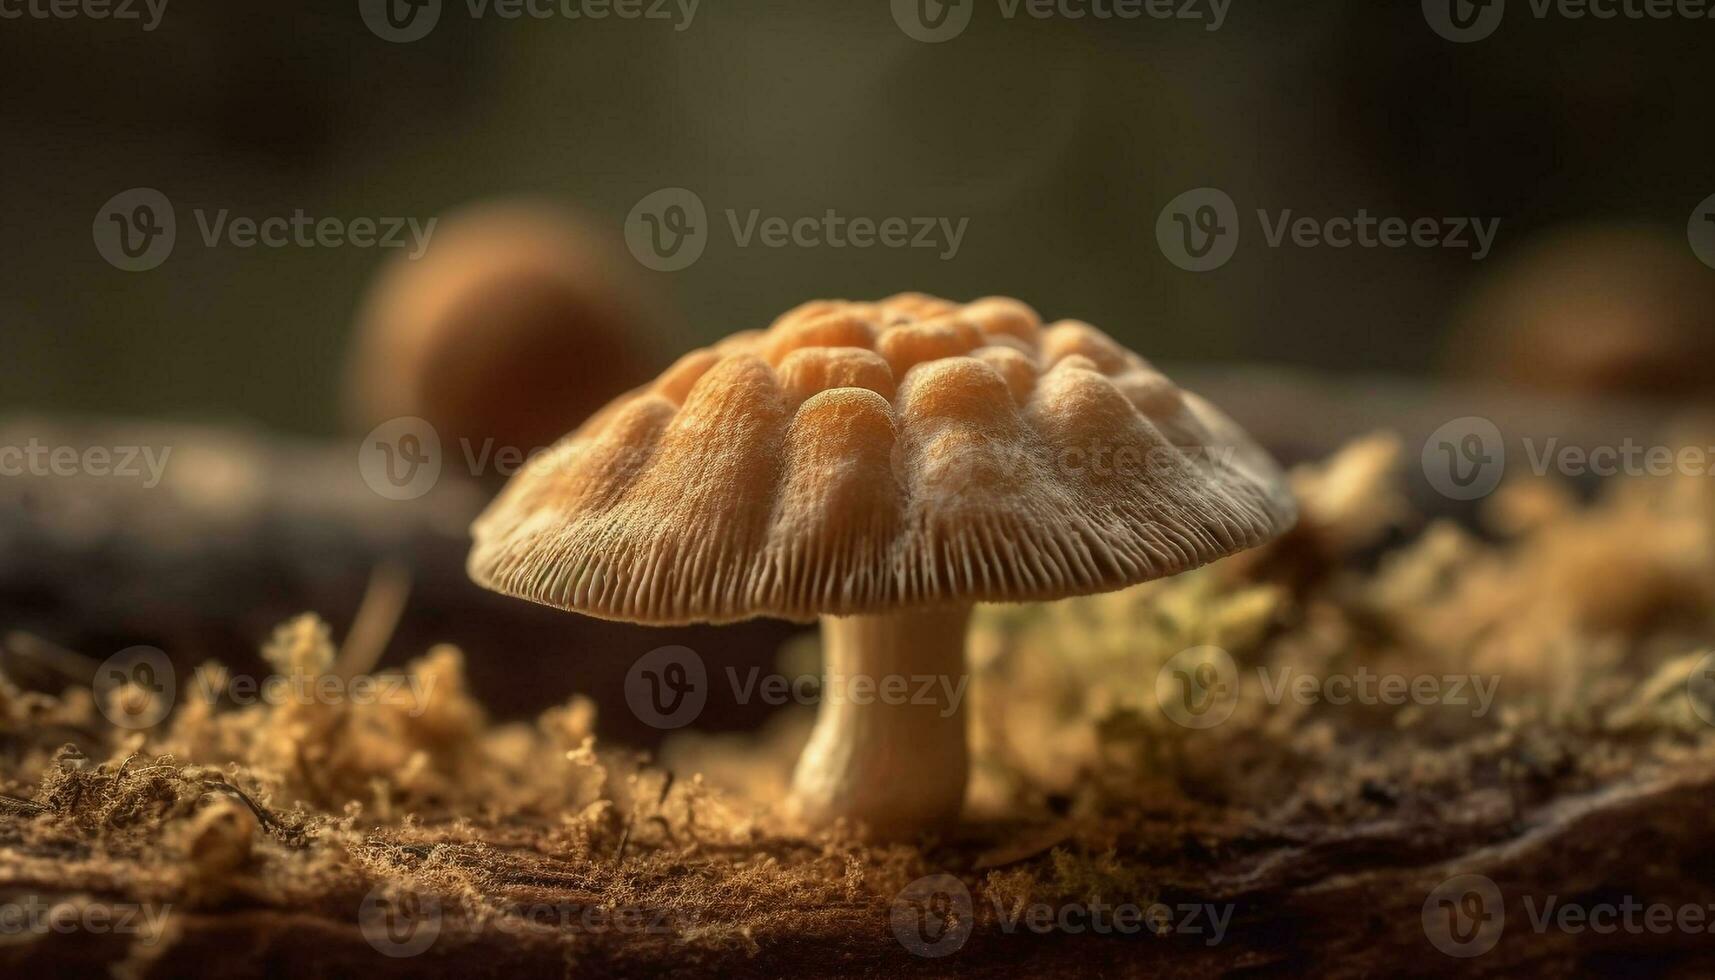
1300 899
245 529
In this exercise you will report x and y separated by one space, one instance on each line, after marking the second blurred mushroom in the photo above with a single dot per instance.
515 324
1595 311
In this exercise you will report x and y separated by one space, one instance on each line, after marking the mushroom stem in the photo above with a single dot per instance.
888 750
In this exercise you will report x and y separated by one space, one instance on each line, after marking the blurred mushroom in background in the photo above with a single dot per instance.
1594 310
515 324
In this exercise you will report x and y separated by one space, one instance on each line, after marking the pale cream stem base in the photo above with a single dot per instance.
888 750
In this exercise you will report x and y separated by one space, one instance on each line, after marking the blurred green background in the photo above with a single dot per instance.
1060 140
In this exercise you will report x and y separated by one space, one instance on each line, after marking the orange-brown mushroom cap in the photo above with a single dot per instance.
864 457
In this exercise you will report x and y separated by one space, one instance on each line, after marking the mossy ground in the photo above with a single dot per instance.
286 837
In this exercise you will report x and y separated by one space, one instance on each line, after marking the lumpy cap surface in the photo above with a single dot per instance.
862 457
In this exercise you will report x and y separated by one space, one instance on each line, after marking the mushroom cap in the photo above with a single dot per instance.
1594 310
514 325
865 457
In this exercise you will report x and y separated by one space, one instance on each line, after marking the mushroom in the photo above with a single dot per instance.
513 326
882 466
1594 311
